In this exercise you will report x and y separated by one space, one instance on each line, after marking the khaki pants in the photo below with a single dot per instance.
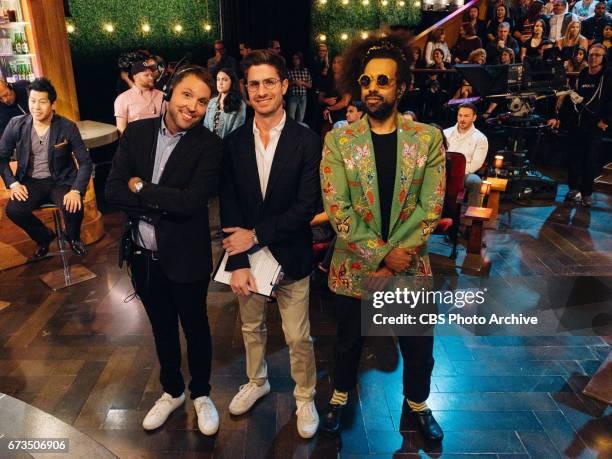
293 301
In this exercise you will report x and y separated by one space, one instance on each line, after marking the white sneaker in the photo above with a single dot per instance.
157 415
208 418
307 419
247 395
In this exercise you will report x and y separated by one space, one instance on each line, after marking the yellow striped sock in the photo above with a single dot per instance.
417 406
339 398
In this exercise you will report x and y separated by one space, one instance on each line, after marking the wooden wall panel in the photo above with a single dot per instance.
53 51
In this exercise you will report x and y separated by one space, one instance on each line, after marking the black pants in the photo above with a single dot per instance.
42 191
417 352
583 161
166 302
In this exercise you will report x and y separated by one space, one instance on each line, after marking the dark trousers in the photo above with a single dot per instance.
166 302
417 352
583 160
42 191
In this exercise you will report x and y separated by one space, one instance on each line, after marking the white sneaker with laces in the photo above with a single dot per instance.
208 418
157 415
248 394
307 419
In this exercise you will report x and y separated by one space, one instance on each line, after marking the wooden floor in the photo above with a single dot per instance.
85 355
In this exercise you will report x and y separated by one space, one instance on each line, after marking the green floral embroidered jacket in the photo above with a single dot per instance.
350 196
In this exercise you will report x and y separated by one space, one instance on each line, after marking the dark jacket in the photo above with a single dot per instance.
178 206
18 108
493 51
293 194
64 141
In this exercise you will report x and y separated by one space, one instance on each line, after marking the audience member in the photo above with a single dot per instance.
300 81
502 40
480 26
607 43
220 60
525 24
226 112
437 40
334 103
354 112
592 28
464 138
142 100
534 47
584 9
444 81
275 47
161 74
577 62
44 144
501 16
466 43
568 43
416 61
320 66
13 101
559 20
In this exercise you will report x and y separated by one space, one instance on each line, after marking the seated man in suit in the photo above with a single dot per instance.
44 143
269 192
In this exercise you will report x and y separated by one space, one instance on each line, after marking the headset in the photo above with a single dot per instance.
169 86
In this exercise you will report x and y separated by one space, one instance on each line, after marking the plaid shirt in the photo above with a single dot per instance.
301 74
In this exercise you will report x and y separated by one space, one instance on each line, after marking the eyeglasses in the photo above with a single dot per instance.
268 83
382 81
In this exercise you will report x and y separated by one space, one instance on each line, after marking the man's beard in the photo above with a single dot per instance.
382 111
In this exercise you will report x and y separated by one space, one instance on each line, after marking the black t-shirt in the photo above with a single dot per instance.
597 99
385 153
19 107
328 86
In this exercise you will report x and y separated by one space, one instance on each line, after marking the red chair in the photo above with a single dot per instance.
455 191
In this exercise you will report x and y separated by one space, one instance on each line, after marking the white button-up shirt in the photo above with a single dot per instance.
556 24
473 144
265 155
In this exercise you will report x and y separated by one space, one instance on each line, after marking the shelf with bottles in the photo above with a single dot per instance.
15 44
16 71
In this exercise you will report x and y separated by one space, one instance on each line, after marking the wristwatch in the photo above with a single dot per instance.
138 186
255 240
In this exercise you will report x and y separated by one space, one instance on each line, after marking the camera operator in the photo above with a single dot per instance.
586 117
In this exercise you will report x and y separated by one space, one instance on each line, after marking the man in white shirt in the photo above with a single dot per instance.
269 192
559 20
464 138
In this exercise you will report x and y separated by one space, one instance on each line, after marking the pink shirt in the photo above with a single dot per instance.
136 104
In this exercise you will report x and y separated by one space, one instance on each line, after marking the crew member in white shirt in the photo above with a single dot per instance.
464 138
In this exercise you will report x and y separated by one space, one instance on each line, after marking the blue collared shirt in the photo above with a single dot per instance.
166 142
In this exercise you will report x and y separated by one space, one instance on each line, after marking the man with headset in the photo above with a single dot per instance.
586 115
13 101
164 171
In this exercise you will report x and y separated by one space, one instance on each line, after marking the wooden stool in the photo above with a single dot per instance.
68 275
476 261
498 185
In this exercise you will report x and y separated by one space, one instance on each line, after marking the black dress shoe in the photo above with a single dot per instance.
78 247
332 419
427 425
42 248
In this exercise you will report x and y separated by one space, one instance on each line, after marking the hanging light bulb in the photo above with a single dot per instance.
384 3
322 2
345 2
402 3
365 2
344 36
146 28
70 28
207 27
178 28
364 35
109 28
322 37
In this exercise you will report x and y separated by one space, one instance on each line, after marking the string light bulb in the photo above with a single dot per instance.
109 28
345 2
322 37
365 2
322 2
384 3
146 28
178 28
70 28
344 36
207 27
364 35
402 3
